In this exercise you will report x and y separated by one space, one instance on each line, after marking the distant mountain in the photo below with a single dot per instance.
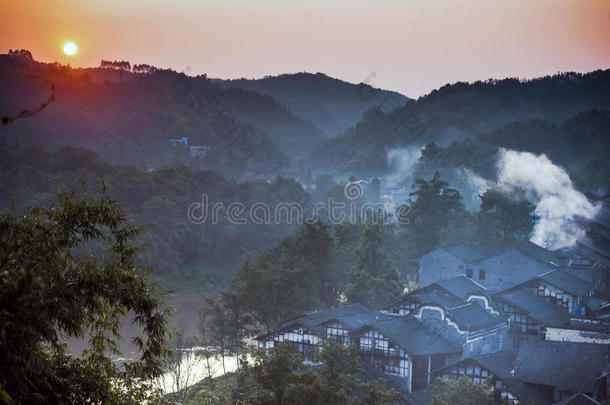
128 117
457 111
331 104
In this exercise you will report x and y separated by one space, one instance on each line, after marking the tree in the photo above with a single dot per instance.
219 334
436 207
276 370
179 365
237 322
54 282
294 277
374 278
377 392
144 68
460 392
336 379
204 341
504 216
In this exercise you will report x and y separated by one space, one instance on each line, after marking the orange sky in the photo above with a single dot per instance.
413 46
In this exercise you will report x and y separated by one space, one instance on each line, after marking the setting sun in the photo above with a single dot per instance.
70 48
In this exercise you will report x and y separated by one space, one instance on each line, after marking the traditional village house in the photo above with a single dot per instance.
497 271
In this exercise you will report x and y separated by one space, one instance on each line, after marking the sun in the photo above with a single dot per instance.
70 48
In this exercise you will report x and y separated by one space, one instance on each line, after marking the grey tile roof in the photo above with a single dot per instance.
338 311
312 320
462 286
498 363
536 307
472 316
582 273
538 252
563 279
465 252
431 294
529 394
578 399
449 293
414 336
356 321
567 366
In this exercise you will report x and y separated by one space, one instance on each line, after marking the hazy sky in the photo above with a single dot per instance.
412 46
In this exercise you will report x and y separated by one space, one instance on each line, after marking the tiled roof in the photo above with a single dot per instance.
536 307
529 394
578 399
538 252
498 363
430 294
561 278
462 286
414 336
356 321
312 320
449 293
465 252
473 316
567 366
338 311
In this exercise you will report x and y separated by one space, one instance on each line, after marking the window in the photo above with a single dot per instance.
469 273
481 274
519 319
477 374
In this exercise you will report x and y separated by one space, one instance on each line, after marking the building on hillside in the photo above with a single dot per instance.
497 271
183 141
405 347
305 331
199 151
470 327
446 262
450 293
565 367
530 314
456 327
539 372
578 399
563 288
496 368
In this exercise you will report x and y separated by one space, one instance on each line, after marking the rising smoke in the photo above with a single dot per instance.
401 161
549 187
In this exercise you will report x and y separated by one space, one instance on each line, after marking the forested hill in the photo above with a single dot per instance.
204 252
457 111
127 116
331 104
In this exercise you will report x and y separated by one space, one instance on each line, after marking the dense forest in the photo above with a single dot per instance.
458 112
331 104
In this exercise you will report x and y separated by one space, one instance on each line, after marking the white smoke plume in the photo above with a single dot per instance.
401 161
549 187
475 184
